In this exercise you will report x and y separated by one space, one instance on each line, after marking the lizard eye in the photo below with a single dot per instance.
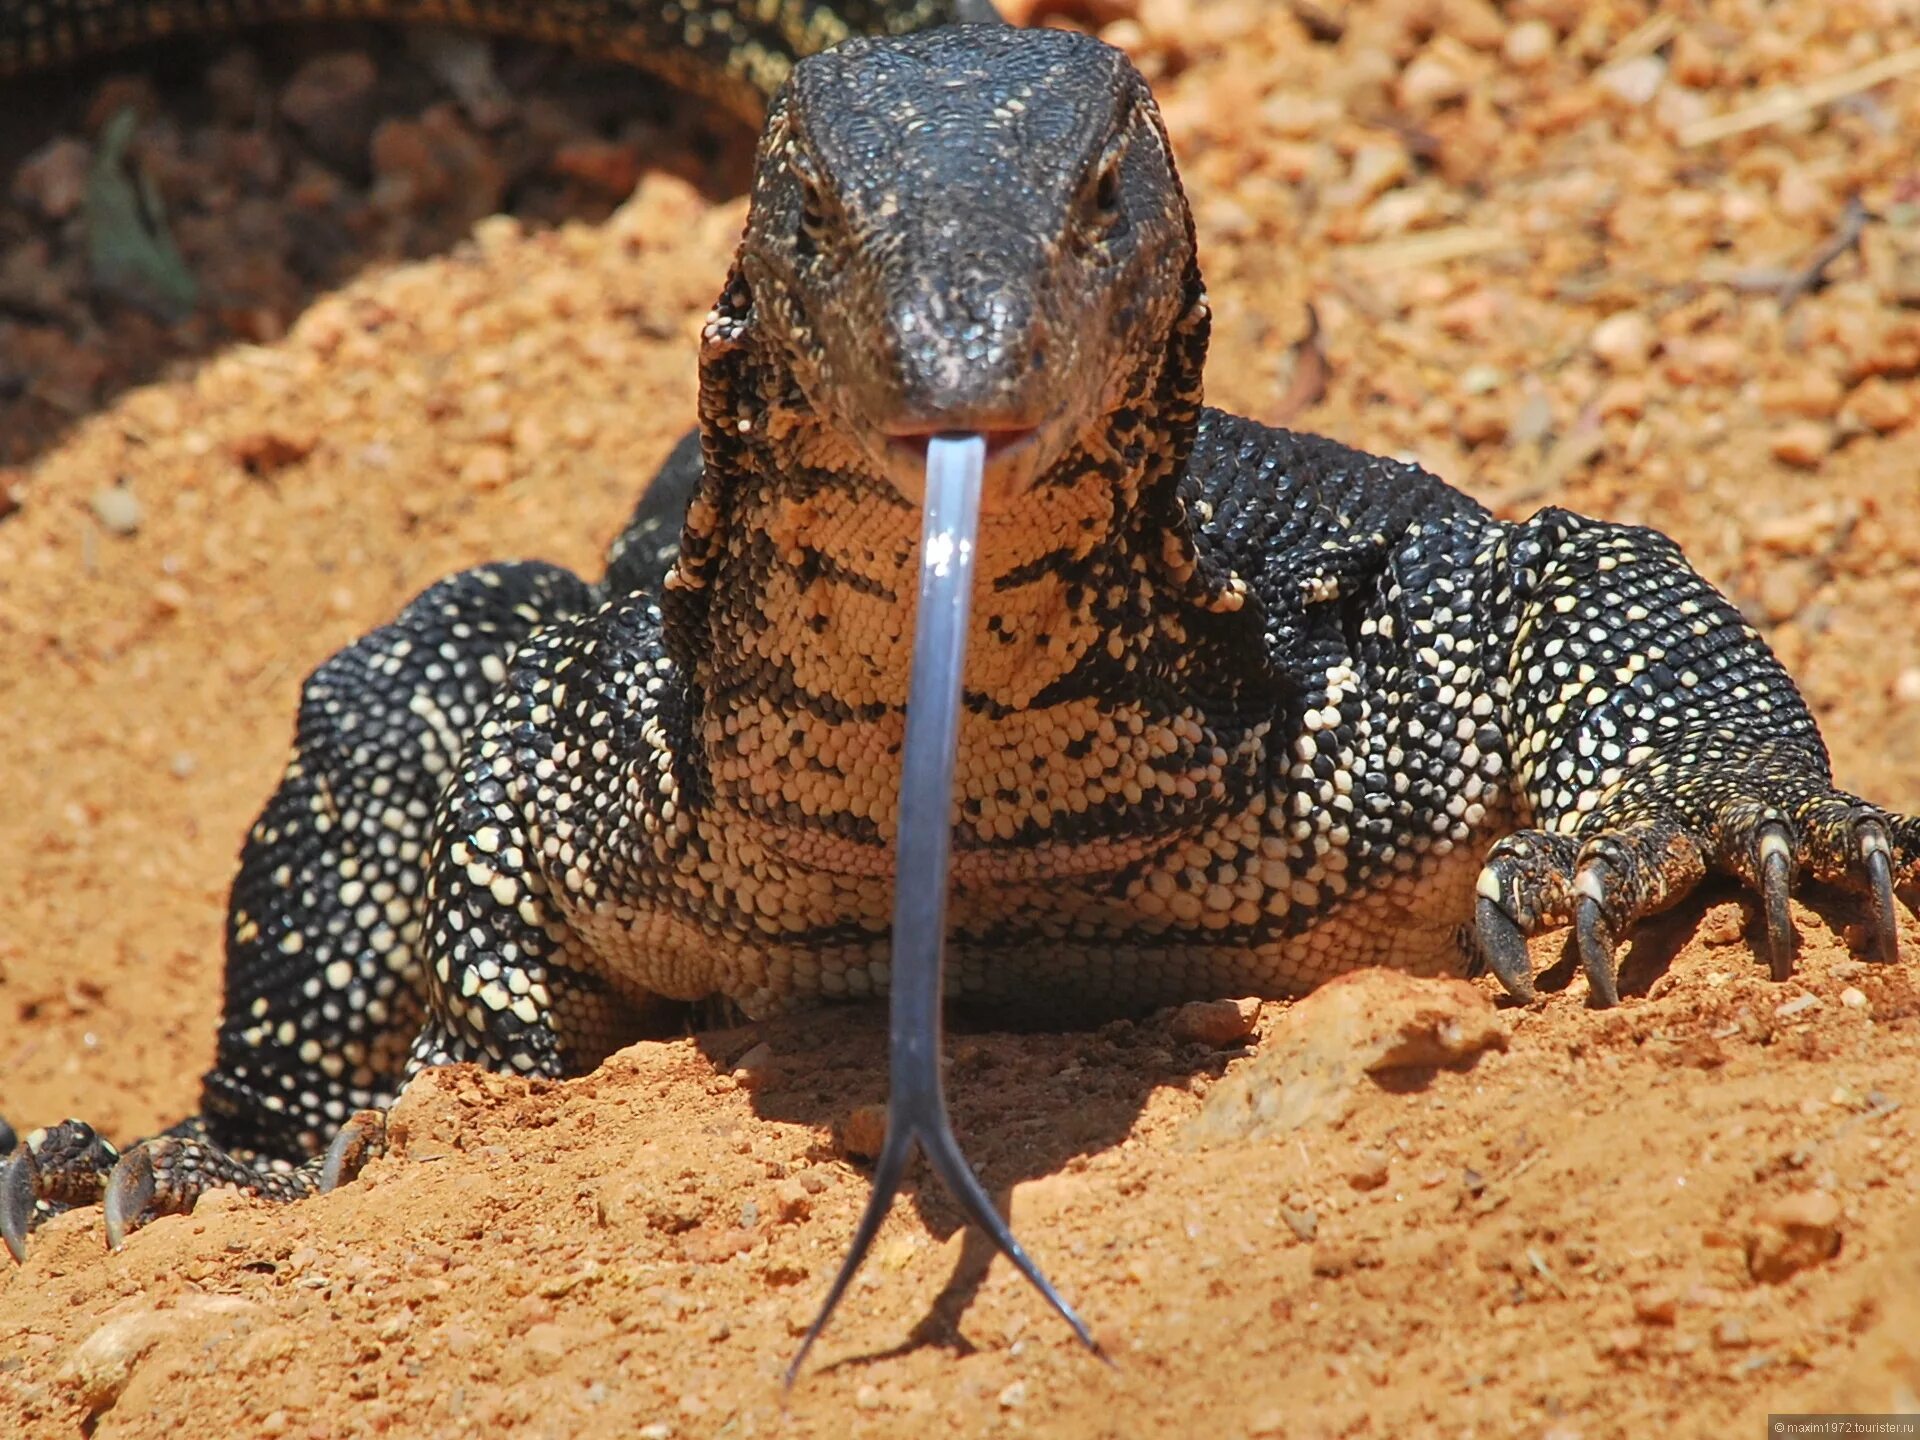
1103 214
812 225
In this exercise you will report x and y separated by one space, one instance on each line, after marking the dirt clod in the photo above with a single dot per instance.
1218 1024
1793 1233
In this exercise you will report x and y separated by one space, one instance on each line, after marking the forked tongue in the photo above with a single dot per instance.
917 1102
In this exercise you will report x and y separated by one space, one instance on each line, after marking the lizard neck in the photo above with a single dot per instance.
1108 676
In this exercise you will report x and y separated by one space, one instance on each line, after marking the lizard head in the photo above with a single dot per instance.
971 229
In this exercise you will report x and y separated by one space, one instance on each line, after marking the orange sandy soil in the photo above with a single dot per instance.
1619 1224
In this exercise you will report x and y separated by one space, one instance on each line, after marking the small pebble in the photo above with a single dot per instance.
117 510
54 178
1635 81
1428 82
1218 1024
1369 1169
1814 394
1806 443
864 1131
754 1069
1624 341
1853 998
1881 405
1014 1396
1655 1307
1793 1233
1528 44
792 1201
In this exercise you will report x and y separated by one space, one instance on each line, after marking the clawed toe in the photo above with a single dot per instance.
1876 860
1504 947
19 1197
359 1140
1776 882
1595 938
130 1195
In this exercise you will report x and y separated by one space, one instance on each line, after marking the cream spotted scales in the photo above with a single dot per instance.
1244 709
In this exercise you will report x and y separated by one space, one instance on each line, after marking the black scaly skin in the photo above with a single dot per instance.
1245 709
735 52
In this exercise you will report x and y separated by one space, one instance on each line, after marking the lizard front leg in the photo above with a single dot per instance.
1656 739
325 990
510 985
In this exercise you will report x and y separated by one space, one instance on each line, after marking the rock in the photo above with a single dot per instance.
1786 588
1624 341
792 1201
864 1131
1218 1024
547 1344
1655 1307
1814 394
53 180
1625 395
436 168
1323 1048
117 509
1881 405
1792 1234
1805 444
1529 44
1428 82
1369 1169
264 451
104 1362
753 1070
1635 81
330 101
1691 62
606 166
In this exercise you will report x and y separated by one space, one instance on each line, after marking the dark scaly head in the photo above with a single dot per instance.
974 229
977 228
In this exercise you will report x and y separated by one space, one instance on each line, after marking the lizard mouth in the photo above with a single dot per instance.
1013 453
1000 443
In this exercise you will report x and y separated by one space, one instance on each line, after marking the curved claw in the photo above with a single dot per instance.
1505 948
129 1197
1776 880
1595 937
361 1138
1875 856
18 1196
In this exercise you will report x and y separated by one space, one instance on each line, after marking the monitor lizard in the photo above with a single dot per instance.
1245 708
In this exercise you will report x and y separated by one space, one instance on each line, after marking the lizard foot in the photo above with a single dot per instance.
55 1169
1659 834
168 1174
70 1164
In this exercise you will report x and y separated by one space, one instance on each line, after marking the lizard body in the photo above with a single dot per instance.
735 52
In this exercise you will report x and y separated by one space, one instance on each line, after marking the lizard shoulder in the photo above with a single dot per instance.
1303 519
